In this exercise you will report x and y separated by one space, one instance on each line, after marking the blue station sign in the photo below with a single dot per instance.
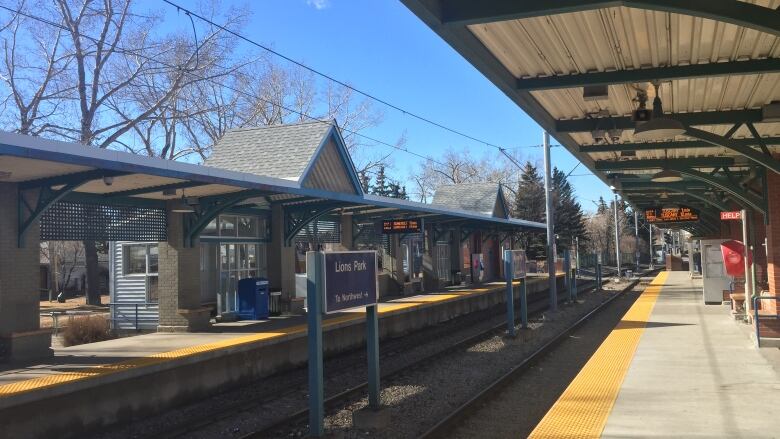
350 280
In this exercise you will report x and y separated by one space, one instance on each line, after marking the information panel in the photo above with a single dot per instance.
406 225
671 214
518 264
350 280
731 216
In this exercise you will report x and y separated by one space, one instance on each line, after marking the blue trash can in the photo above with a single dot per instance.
253 298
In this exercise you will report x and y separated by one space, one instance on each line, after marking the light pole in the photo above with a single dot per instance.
549 215
617 236
636 239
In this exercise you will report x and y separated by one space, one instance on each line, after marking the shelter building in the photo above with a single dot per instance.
183 234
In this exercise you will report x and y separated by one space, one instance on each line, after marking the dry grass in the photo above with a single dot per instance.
88 329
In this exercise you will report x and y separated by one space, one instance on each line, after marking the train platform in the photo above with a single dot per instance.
79 387
672 367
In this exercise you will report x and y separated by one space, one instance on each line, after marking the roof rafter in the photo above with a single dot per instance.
685 144
769 65
687 119
698 162
465 12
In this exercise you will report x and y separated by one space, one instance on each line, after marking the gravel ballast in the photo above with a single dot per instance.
421 397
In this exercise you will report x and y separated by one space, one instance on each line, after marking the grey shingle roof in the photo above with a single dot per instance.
475 197
281 151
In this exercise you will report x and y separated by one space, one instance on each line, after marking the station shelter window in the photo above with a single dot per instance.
142 259
233 247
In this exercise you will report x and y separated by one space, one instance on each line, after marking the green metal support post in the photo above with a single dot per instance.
315 263
372 341
510 295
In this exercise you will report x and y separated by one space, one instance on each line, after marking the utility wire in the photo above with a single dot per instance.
236 90
368 95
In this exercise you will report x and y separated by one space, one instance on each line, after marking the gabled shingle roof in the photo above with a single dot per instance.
282 151
474 197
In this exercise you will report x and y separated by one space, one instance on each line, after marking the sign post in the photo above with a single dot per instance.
741 215
567 271
314 283
510 294
514 268
338 281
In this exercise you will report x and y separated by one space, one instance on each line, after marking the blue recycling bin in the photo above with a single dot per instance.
253 298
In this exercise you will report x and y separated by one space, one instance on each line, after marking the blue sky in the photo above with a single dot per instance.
380 47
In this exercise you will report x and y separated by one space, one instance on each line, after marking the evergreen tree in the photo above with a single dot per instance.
365 181
568 216
381 184
530 205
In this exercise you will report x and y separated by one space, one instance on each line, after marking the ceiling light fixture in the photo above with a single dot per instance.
108 180
666 175
659 127
182 205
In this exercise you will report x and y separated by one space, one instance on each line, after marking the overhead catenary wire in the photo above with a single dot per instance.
317 72
228 87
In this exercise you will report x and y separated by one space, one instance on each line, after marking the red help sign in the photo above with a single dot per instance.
732 257
726 216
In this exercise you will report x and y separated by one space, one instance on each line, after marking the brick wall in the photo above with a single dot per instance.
179 275
19 269
773 238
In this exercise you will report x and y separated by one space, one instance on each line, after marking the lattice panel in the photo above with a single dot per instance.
321 232
71 221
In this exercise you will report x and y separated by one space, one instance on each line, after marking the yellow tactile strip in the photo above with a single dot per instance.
59 378
583 408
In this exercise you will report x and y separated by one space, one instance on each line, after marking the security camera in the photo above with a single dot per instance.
108 180
599 136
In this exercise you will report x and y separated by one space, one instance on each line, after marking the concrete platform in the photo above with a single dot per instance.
672 367
696 373
89 386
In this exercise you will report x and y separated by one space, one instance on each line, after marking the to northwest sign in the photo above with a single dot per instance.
350 280
518 264
408 225
671 214
726 216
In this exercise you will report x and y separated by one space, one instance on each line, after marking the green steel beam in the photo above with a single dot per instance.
667 187
76 177
768 65
750 153
210 207
82 197
153 189
686 144
739 195
466 12
688 119
699 162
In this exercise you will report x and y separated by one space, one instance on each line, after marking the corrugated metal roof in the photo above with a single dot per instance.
282 151
621 38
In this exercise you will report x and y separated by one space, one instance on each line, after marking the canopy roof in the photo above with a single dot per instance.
73 172
717 63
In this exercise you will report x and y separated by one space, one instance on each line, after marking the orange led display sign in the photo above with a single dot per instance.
671 214
407 225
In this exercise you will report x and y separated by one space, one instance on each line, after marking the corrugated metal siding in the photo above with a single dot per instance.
624 39
127 292
329 172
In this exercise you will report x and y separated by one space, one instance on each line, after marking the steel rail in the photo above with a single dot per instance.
444 427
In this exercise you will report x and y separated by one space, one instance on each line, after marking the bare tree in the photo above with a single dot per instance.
32 69
460 166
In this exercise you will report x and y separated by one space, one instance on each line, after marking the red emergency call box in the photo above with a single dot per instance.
733 261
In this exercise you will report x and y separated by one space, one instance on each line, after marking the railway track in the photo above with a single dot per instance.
296 382
536 306
484 405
